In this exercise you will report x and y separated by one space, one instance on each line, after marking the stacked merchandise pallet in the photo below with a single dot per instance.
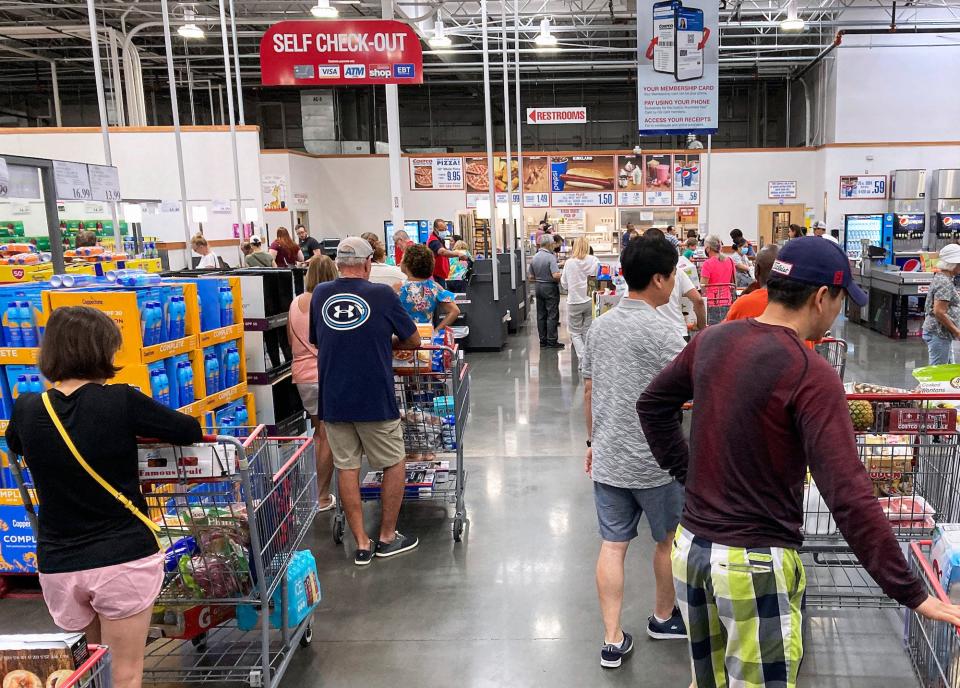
182 344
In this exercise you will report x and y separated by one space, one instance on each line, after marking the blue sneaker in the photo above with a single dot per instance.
611 656
672 628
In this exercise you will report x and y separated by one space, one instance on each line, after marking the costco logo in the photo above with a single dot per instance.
380 71
355 72
328 72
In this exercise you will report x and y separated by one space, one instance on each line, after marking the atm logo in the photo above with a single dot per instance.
379 71
404 71
355 72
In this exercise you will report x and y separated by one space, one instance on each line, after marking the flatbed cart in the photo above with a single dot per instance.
933 646
433 396
232 514
909 449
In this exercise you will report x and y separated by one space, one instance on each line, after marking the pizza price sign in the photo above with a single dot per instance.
72 181
436 173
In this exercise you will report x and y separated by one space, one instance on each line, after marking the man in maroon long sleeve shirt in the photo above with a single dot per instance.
737 573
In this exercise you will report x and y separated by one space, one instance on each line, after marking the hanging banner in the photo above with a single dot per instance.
659 174
348 52
477 181
71 180
678 67
686 179
860 187
583 180
104 183
436 174
630 180
536 181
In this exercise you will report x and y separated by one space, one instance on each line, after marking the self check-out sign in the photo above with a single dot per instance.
349 52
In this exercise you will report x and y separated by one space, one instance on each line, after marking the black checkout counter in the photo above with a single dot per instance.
491 321
896 301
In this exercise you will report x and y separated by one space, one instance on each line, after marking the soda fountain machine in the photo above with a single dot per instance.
908 207
944 209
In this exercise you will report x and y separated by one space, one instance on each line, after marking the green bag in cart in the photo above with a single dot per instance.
939 379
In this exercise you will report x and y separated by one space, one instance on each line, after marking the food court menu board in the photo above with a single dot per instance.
686 179
658 173
583 180
630 180
478 187
436 174
536 181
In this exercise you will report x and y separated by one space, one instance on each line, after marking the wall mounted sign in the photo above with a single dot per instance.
658 173
536 181
863 187
686 179
436 174
104 182
347 52
72 181
565 115
630 180
583 180
782 189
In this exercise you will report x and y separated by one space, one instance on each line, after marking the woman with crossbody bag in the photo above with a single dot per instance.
99 558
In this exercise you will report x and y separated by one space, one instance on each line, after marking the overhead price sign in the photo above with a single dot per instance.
72 181
345 53
678 66
862 187
104 183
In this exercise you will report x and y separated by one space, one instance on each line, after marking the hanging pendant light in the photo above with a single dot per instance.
323 10
793 22
439 38
545 40
190 29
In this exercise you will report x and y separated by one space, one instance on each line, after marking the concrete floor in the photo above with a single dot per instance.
515 604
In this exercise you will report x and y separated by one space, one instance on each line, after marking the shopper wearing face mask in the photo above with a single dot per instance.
441 267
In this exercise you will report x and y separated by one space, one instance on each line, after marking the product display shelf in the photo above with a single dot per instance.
26 273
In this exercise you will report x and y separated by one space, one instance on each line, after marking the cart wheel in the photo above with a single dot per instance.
256 678
200 642
338 528
457 529
307 636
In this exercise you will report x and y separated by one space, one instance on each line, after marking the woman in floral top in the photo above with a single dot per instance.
942 308
420 295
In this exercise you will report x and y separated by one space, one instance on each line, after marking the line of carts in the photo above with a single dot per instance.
239 592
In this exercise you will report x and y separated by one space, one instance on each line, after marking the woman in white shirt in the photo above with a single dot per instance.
576 271
380 272
208 259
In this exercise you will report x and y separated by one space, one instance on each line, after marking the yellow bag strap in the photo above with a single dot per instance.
128 505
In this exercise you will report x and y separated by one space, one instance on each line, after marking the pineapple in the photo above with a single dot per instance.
861 413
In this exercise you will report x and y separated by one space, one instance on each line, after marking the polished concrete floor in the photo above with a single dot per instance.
514 604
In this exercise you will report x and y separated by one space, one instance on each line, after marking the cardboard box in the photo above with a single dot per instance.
945 557
18 544
420 360
41 659
167 462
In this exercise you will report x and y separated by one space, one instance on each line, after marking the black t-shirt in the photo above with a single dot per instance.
82 526
308 246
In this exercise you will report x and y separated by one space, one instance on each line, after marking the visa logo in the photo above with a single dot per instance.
379 71
355 72
404 71
328 71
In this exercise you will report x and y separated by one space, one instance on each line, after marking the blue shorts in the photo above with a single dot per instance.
619 510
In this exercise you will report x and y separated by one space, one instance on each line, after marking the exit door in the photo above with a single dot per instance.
774 220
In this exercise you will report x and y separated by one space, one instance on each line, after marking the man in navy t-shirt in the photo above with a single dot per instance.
355 325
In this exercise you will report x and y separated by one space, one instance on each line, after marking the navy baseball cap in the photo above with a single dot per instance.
816 261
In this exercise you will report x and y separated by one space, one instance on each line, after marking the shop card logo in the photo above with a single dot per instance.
355 72
404 71
328 71
379 71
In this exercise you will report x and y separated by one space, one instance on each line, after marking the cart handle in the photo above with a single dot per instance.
154 440
929 573
906 396
307 441
97 653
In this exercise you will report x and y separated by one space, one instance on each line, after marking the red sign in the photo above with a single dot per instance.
564 115
932 421
348 52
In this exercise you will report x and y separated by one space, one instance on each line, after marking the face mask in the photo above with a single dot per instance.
745 250
444 234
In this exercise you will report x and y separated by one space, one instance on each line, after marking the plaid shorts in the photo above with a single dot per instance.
742 611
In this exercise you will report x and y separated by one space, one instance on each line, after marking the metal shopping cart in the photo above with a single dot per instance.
93 673
933 646
718 298
835 353
232 515
909 448
433 395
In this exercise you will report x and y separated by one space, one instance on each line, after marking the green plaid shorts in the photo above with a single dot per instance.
742 611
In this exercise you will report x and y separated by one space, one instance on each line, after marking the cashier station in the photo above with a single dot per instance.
490 321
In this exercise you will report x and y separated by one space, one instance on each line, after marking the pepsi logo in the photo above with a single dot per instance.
344 312
904 220
947 221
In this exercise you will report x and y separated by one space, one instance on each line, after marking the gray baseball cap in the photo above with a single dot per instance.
354 247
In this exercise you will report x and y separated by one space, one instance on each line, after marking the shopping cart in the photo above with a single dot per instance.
933 646
718 298
835 353
93 673
232 515
909 448
433 395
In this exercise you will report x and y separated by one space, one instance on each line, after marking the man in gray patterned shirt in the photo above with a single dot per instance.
626 348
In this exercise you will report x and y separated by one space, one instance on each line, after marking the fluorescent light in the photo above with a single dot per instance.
189 30
545 39
323 10
793 22
439 38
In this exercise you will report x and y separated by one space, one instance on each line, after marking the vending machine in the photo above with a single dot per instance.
944 209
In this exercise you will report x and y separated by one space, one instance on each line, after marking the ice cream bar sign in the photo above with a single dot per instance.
348 52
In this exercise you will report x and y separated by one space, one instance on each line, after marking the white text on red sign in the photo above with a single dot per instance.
338 42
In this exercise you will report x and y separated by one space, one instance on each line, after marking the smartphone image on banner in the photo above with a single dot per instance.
664 35
689 49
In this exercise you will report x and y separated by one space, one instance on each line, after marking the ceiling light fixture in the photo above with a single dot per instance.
189 30
439 38
793 22
323 10
545 39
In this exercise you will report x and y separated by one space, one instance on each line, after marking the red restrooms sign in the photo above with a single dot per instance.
347 52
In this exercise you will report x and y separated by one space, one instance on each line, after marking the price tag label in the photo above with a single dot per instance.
4 179
104 183
536 200
72 181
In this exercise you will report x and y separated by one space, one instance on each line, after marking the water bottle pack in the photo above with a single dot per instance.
21 379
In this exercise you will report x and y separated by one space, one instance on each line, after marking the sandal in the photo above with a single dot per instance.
331 505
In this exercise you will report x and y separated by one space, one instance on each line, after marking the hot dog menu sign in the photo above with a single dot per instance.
350 52
583 180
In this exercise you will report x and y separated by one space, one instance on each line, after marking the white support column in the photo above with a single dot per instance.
236 66
488 120
511 230
516 84
706 188
233 128
55 85
393 140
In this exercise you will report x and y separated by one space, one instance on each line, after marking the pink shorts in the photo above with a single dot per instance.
113 592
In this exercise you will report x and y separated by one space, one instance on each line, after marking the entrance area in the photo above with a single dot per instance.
774 219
